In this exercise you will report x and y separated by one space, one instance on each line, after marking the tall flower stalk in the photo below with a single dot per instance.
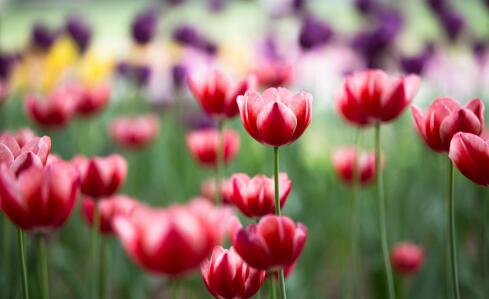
23 266
95 252
43 268
278 212
451 233
219 161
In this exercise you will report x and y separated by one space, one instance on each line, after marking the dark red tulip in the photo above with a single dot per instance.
371 97
203 145
470 155
92 99
55 110
171 241
444 118
134 132
208 190
344 160
41 198
216 92
254 197
277 117
227 276
101 176
109 208
407 258
34 152
275 242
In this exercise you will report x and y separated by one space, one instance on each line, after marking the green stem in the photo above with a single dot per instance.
23 267
281 276
43 268
174 289
272 286
451 235
95 250
220 161
7 230
382 214
104 267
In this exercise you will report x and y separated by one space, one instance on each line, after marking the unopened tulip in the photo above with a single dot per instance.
407 258
274 243
53 111
344 160
444 118
109 208
470 155
92 99
101 176
277 117
254 197
204 144
227 276
134 132
216 92
171 241
36 151
370 97
41 198
208 190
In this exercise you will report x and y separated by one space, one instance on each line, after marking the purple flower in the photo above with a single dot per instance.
7 61
216 5
416 64
144 26
314 33
190 37
141 74
42 37
479 48
366 7
80 32
453 23
178 72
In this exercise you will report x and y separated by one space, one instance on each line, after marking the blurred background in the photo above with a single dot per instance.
143 50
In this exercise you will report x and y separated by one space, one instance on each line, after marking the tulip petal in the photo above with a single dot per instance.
470 154
276 124
462 121
477 106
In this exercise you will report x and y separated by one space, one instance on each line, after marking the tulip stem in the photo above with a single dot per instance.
273 288
382 214
219 161
23 266
451 229
281 276
104 267
95 250
43 268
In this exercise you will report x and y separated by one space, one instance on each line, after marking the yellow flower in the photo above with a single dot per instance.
94 68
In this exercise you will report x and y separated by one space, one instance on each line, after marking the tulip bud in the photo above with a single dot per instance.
203 145
407 258
134 132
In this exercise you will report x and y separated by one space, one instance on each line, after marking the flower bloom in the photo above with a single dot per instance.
216 93
109 208
101 176
171 241
40 198
36 151
92 99
203 145
275 242
134 132
144 26
227 276
344 160
273 72
23 136
53 111
277 117
444 118
370 97
255 197
208 190
407 258
470 155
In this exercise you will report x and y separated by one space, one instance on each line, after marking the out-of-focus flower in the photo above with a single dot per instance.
314 33
480 50
254 197
92 99
24 136
144 26
196 120
208 190
366 7
138 73
7 62
282 8
62 55
344 160
101 176
55 110
227 276
217 5
444 118
275 242
277 117
171 241
416 64
41 198
272 72
407 258
134 132
370 97
203 145
189 36
216 92
20 157
179 73
450 19
109 208
95 69
470 155
42 37
80 31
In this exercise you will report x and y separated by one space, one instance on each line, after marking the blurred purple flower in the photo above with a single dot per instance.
42 37
7 62
437 5
195 120
189 36
80 31
141 74
366 7
217 5
178 72
314 33
480 49
144 26
453 23
122 68
416 64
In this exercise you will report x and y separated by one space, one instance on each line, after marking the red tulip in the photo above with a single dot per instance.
203 145
101 176
275 242
370 97
444 118
171 241
470 155
407 258
277 117
53 111
134 132
92 99
40 199
226 276
273 73
216 93
254 197
344 160
109 208
208 190
35 152
23 136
